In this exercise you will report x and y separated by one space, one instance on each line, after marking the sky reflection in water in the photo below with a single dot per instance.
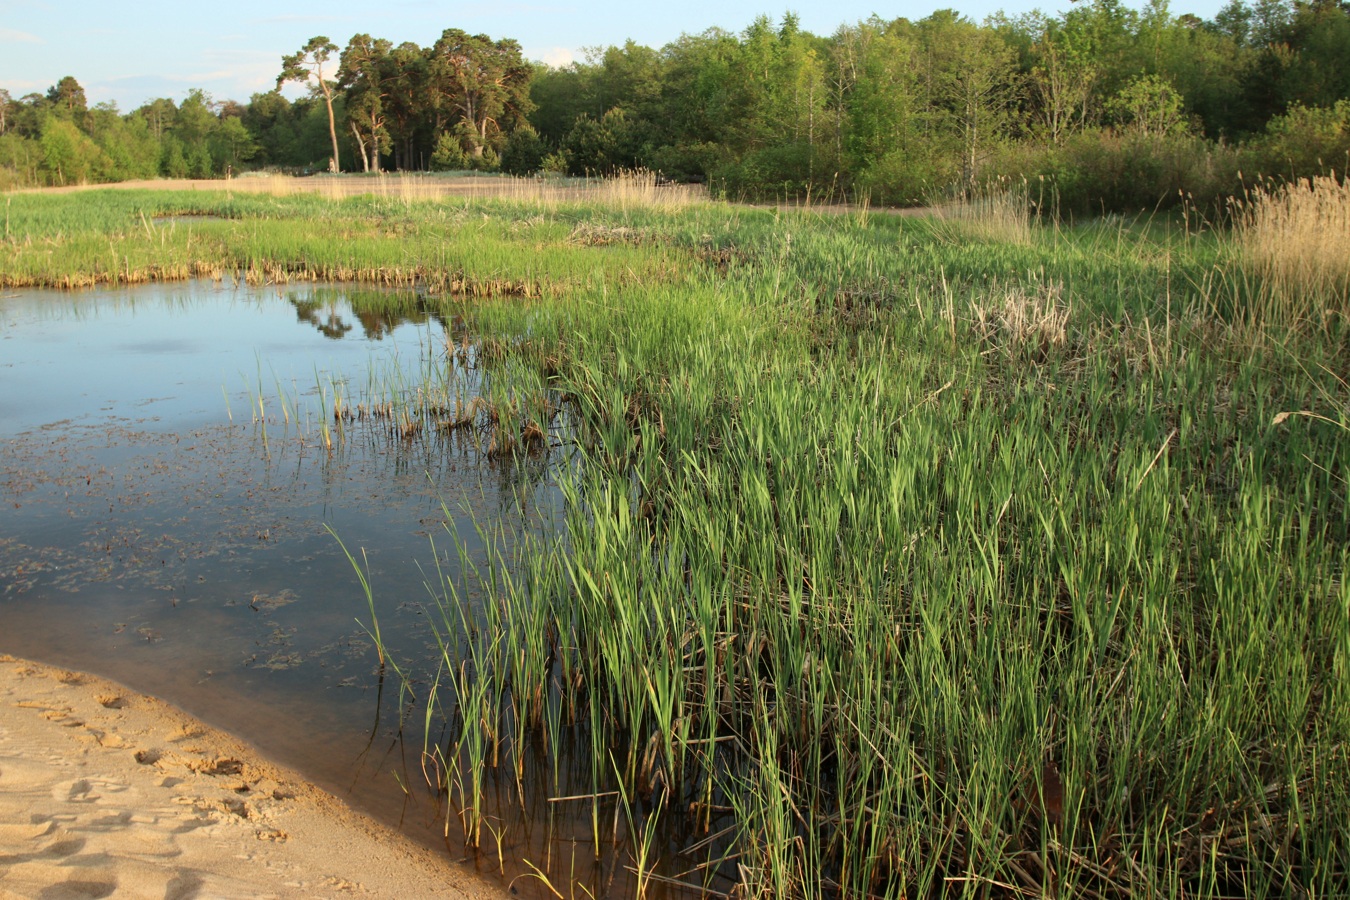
152 531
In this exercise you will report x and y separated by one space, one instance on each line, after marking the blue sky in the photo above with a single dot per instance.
134 51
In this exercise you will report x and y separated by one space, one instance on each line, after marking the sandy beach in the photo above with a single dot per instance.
105 792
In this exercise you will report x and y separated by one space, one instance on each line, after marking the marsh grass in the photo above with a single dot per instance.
639 188
998 212
895 562
447 244
896 615
1294 241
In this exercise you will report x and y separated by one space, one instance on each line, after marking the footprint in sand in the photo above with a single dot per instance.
65 847
78 791
78 890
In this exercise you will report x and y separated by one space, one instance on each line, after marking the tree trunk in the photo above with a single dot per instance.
333 165
374 145
361 145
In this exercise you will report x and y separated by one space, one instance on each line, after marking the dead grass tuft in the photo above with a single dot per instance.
1000 212
595 234
1022 320
1295 241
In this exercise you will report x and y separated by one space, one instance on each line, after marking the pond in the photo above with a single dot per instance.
177 466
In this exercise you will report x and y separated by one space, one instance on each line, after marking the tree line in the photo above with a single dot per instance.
1111 107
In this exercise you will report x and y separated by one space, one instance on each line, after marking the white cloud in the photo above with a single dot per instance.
553 56
12 36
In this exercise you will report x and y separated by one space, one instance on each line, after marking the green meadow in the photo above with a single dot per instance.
963 555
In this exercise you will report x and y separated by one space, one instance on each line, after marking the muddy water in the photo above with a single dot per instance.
166 495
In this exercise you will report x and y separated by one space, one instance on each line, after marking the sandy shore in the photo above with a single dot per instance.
108 793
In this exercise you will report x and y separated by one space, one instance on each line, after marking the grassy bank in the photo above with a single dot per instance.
902 559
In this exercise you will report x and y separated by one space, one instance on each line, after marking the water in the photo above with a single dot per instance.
170 470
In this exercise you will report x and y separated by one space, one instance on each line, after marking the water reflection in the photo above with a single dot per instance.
170 464
379 313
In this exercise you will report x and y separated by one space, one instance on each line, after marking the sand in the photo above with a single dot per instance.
108 793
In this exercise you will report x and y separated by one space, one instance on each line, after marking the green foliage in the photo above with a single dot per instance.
554 164
306 64
524 152
67 99
906 177
69 156
449 154
364 72
232 145
1120 108
173 162
604 146
479 85
1101 170
20 161
132 151
1149 107
1303 142
781 170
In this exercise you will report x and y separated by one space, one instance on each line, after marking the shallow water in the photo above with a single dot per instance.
166 490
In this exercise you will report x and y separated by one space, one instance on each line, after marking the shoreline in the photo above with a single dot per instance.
104 790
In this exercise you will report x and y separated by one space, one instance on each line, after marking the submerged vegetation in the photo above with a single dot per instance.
903 556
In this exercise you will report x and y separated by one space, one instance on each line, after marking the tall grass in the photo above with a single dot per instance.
881 612
999 211
897 563
1295 240
638 187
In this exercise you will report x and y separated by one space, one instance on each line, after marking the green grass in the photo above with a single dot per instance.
113 237
867 568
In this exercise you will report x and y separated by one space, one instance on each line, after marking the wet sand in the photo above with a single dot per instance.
105 792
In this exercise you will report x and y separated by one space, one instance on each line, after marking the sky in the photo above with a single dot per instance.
135 51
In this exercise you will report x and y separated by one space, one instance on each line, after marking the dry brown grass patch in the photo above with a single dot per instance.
1025 319
1000 212
1295 240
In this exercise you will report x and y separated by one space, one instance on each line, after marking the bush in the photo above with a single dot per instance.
1303 143
449 155
688 162
777 172
906 177
1105 171
524 152
603 146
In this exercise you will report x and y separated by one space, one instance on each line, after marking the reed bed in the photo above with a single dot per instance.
895 564
453 246
1294 239
866 609
628 189
1000 212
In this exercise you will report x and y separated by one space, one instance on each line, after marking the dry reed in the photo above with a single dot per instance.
633 189
1035 319
999 211
1295 240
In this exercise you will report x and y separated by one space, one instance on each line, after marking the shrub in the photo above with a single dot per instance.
1105 171
524 152
1304 142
